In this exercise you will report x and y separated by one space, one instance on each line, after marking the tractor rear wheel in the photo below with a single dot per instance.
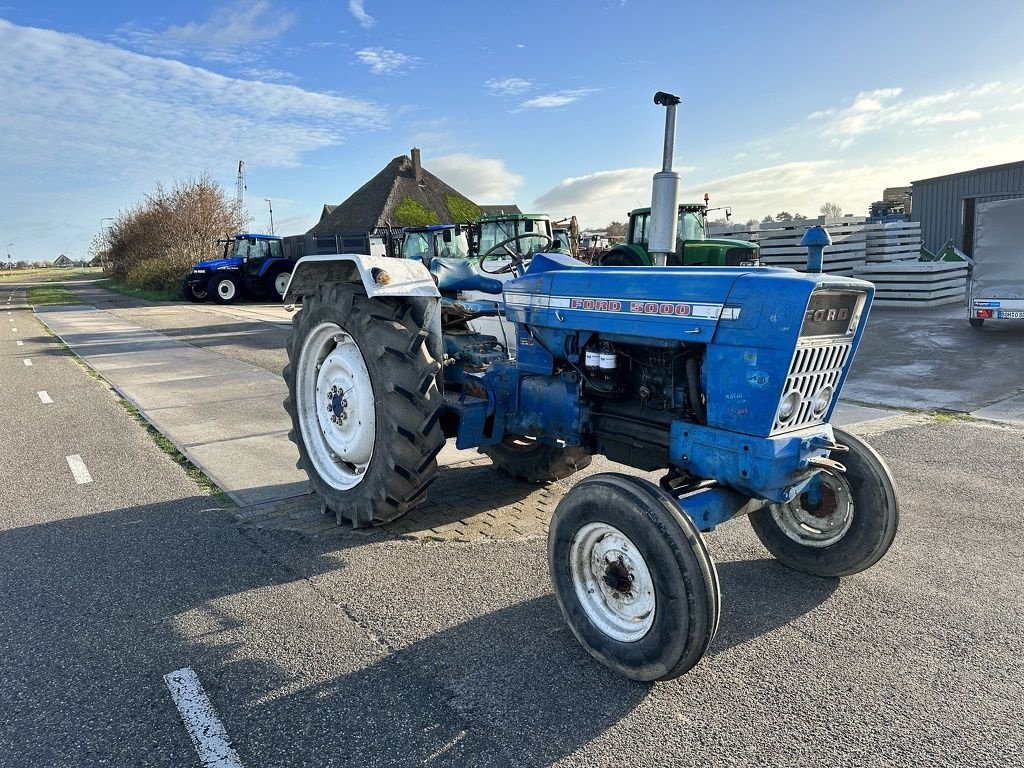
277 283
525 458
633 577
364 403
620 257
849 530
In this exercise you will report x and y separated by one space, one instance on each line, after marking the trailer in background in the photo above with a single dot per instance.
996 288
375 244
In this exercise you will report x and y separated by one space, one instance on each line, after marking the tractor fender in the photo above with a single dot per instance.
273 264
408 277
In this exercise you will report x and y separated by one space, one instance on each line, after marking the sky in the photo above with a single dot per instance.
785 105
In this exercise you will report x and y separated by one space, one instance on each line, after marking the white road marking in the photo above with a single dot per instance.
28 362
201 721
44 396
78 469
20 343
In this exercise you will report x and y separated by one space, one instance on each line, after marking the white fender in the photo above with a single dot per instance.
380 275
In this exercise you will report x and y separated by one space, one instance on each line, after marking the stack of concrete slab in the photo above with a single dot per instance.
892 241
915 283
780 242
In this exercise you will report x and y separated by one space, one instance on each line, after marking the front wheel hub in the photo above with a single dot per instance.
819 524
612 581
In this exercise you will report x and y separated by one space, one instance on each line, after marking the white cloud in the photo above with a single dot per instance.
355 7
557 99
222 37
481 179
995 85
601 197
74 106
883 109
384 61
947 117
508 86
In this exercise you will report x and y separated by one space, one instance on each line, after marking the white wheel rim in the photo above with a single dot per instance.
226 289
822 527
335 405
281 283
612 582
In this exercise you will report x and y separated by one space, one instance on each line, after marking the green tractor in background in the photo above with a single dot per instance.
693 246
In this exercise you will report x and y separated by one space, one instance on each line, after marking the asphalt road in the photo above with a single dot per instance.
369 649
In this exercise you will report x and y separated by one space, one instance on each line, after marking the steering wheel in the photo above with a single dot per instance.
504 245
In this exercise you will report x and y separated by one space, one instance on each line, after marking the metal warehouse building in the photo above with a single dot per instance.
945 205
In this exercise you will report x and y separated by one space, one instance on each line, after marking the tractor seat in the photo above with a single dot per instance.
454 275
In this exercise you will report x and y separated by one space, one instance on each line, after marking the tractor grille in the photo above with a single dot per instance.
815 370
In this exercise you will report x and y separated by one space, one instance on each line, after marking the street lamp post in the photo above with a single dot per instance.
271 206
10 264
103 253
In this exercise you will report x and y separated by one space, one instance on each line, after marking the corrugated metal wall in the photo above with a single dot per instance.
939 203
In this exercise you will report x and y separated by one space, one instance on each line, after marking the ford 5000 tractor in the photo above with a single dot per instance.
254 265
722 378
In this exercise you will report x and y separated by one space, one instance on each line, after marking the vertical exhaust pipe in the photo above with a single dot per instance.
665 194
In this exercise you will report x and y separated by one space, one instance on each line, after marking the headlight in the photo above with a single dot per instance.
821 400
789 405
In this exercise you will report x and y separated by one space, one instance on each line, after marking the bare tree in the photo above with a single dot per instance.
615 229
831 210
153 244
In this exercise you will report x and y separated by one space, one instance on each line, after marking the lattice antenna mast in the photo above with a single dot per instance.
240 187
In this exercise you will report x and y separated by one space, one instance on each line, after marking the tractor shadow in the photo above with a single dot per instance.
511 687
760 596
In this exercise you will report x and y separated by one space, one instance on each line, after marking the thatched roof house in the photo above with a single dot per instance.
403 194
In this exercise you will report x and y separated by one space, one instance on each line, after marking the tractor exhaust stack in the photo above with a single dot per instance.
665 194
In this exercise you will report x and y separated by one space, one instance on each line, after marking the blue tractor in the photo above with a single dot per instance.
722 378
252 265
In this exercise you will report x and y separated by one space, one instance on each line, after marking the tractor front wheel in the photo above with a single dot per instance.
364 403
851 526
195 293
633 577
525 458
224 289
976 322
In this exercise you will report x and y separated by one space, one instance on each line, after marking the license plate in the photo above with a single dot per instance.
1005 315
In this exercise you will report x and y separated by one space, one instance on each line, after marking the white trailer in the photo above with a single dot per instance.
996 289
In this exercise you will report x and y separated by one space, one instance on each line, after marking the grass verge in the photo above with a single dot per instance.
138 293
49 294
947 417
179 458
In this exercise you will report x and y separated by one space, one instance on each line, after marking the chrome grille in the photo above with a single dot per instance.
816 365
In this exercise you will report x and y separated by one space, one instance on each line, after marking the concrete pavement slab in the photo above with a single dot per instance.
1008 411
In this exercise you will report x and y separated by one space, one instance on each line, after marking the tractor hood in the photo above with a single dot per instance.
669 303
729 242
559 294
212 265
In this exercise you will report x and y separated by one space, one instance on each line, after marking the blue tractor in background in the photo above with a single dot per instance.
251 265
723 379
